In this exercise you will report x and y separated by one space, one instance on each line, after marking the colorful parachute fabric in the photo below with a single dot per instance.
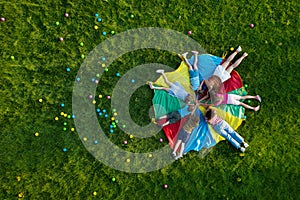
203 136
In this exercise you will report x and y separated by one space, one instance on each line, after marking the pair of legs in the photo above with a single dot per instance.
226 131
194 66
170 118
234 99
231 57
165 79
183 137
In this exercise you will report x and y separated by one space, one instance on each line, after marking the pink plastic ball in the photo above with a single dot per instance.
189 32
160 140
2 19
251 25
125 142
66 14
108 97
165 186
61 39
96 81
90 96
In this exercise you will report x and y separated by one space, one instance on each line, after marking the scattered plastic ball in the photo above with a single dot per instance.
150 155
64 128
98 110
64 149
189 32
82 56
108 97
18 178
104 110
111 131
115 114
104 33
131 15
128 160
113 179
99 19
40 100
97 75
165 186
65 123
106 69
100 96
103 58
231 49
94 101
242 154
125 142
90 96
2 19
239 179
245 117
12 57
68 69
246 85
81 44
73 116
61 39
69 116
96 15
77 79
118 74
62 105
132 80
94 193
112 32
57 23
21 195
62 113
124 126
84 139
248 101
72 129
96 27
113 110
106 115
56 118
93 79
251 25
103 65
66 14
36 134
96 142
161 140
65 115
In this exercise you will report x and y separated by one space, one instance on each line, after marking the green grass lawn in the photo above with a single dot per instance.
268 170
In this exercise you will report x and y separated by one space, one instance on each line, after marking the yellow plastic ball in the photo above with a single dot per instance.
150 155
100 96
40 100
94 101
231 49
72 129
131 136
112 119
96 27
84 139
21 195
18 178
65 115
115 114
103 65
128 160
56 118
62 113
36 134
94 193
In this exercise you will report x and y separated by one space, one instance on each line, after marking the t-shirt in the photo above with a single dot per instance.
215 120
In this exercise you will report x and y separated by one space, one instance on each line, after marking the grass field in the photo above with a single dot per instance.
37 70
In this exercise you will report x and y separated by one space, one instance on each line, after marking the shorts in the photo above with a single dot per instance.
193 73
222 73
183 136
178 91
194 79
233 99
173 117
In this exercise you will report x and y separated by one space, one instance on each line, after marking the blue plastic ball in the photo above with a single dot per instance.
100 114
73 116
96 142
96 15
62 105
104 111
111 131
118 74
64 149
93 80
99 19
104 33
103 58
98 110
132 80
77 79
68 69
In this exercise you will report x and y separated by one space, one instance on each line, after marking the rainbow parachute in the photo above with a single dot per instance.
203 136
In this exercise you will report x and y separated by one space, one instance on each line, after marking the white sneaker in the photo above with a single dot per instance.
239 49
178 157
160 71
258 98
151 85
242 149
246 145
195 52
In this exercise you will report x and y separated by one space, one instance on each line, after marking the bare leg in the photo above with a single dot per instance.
181 149
195 60
166 79
166 123
231 57
176 146
249 97
162 117
234 65
158 88
249 107
186 60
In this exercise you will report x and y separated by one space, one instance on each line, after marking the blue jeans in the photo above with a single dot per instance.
225 130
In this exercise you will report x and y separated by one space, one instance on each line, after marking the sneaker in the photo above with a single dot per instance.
177 157
173 155
184 54
258 98
195 52
245 54
160 71
239 49
242 149
151 85
245 145
256 108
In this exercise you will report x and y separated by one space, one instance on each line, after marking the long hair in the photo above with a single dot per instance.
215 87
